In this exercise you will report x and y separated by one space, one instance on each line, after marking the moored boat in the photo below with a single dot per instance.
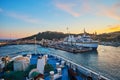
81 41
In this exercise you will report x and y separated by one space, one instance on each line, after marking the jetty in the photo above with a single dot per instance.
49 43
70 48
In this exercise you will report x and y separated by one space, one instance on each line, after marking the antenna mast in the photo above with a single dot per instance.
67 30
84 32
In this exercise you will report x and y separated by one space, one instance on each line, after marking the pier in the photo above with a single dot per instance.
18 42
70 48
51 44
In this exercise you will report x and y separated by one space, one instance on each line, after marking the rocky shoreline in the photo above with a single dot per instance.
115 44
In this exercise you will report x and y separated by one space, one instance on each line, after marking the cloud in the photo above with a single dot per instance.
75 7
23 17
110 28
68 8
112 12
20 17
113 28
1 10
82 7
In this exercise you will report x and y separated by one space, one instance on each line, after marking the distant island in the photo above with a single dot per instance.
105 37
112 38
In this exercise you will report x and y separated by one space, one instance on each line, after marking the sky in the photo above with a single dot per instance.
21 18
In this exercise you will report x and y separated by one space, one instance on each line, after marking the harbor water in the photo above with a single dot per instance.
106 60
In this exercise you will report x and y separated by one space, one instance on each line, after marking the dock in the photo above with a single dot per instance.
68 48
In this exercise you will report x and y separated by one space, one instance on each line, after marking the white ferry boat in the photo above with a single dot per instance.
81 41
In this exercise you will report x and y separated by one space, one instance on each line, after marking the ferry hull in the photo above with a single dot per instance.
94 48
92 45
89 45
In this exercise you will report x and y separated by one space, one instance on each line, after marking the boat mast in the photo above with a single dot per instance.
84 32
67 30
67 34
35 45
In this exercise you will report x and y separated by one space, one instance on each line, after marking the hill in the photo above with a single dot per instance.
46 35
109 37
106 37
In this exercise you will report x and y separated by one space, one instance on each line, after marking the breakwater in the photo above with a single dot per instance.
68 48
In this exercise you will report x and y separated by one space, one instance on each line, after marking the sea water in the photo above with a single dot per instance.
106 60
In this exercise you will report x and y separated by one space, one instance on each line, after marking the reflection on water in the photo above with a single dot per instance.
105 60
109 61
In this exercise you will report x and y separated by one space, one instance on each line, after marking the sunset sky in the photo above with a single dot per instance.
21 18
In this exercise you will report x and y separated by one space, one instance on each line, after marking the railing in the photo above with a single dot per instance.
87 71
79 67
